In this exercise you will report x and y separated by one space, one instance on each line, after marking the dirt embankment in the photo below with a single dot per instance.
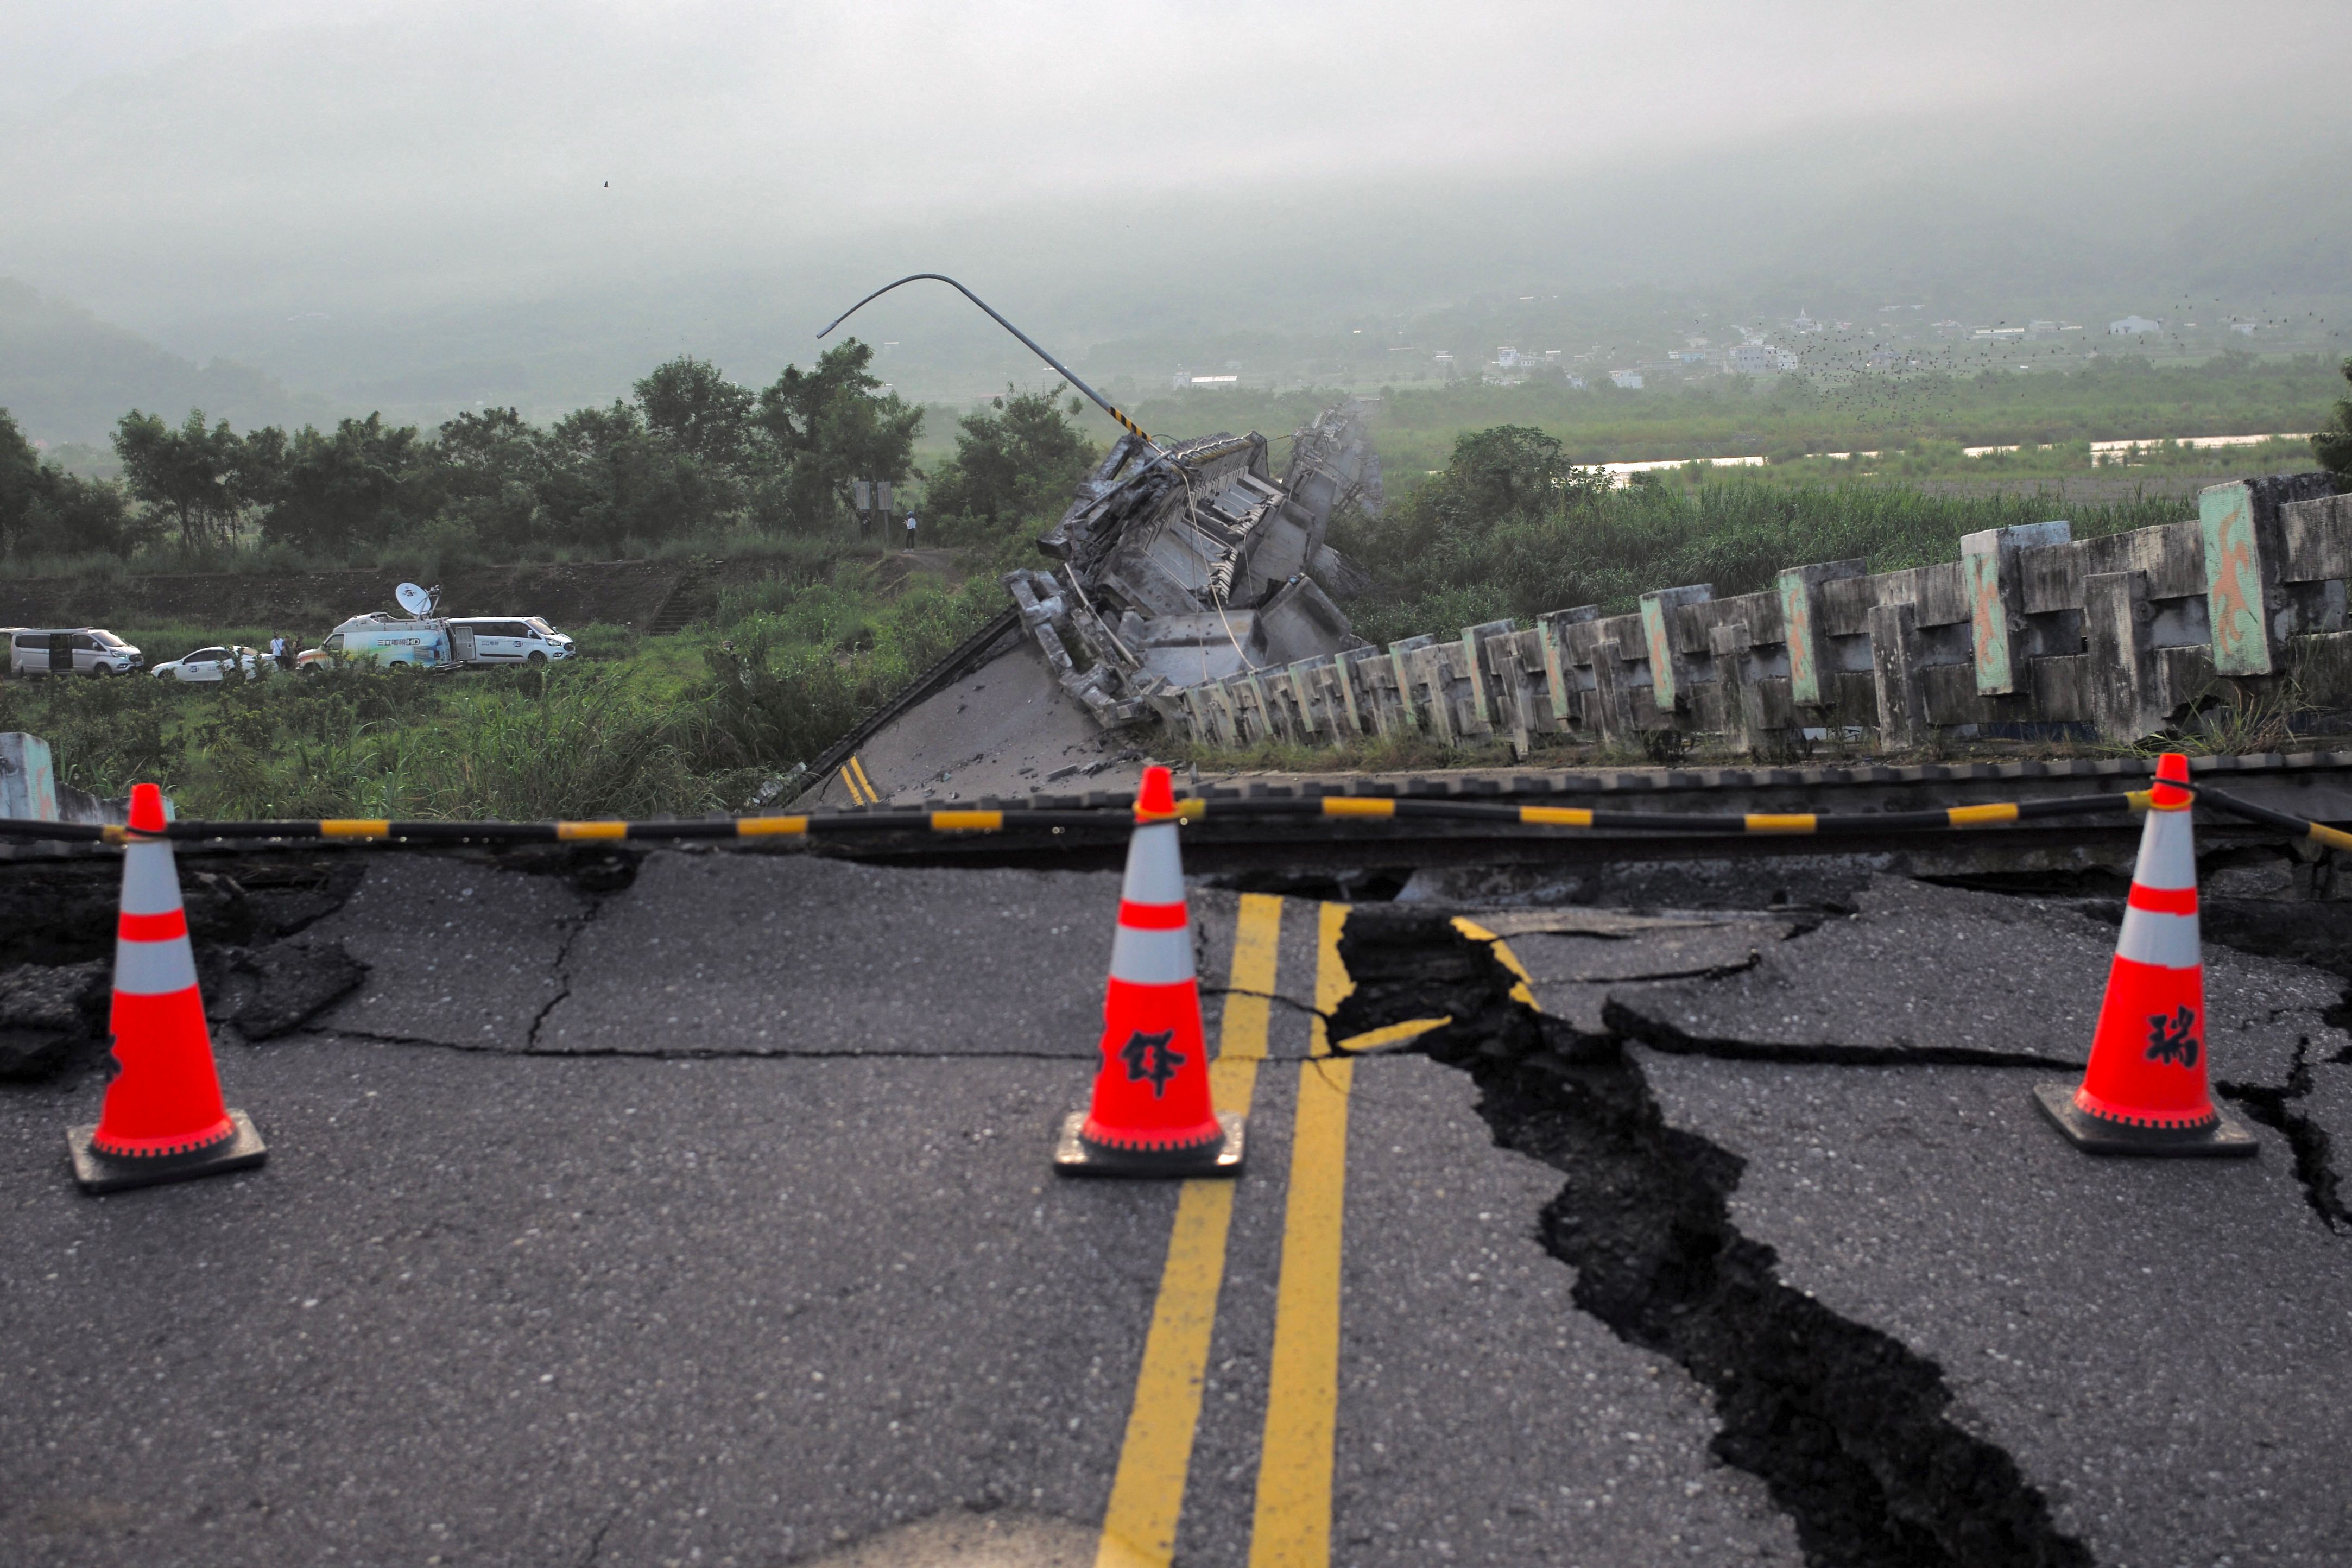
624 593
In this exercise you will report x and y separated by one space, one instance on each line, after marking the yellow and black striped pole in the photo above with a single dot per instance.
1112 817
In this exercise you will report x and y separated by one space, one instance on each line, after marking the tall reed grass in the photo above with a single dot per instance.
1608 549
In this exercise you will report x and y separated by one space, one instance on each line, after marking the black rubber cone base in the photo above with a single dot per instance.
100 1172
2226 1139
1074 1156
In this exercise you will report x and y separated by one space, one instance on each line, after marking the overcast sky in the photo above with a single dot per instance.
159 158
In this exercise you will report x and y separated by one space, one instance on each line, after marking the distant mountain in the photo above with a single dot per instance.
68 376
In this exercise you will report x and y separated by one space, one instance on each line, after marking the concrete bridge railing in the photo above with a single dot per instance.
2029 633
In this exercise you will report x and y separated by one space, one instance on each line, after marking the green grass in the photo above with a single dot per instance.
637 726
1736 534
364 743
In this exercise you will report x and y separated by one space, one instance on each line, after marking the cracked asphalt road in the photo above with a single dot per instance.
537 1275
1924 973
2165 1346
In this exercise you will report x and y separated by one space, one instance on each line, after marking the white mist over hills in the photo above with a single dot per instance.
420 207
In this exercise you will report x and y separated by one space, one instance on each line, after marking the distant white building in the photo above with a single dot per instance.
1761 358
1631 380
2131 325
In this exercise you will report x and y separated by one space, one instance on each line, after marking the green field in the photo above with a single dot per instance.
1929 415
637 726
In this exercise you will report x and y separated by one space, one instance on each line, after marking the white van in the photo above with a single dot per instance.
395 642
506 639
70 650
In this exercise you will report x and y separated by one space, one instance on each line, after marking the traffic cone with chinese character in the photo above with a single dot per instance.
163 1120
2146 1089
1152 1114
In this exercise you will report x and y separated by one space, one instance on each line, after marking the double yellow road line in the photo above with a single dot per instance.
1291 1523
861 788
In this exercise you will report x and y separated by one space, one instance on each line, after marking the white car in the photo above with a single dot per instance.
213 664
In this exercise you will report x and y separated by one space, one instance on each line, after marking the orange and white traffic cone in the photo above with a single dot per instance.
163 1120
1152 1114
2146 1090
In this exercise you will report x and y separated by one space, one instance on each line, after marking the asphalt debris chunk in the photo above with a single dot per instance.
51 1017
274 990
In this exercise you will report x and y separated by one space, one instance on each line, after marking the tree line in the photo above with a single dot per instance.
687 453
690 452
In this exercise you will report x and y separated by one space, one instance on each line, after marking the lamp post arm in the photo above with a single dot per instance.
1129 425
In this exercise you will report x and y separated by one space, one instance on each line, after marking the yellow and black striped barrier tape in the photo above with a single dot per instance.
376 830
1117 818
2318 832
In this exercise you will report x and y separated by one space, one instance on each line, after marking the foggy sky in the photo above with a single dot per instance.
186 167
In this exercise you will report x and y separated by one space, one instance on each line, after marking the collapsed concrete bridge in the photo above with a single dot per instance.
2028 633
1174 565
1195 596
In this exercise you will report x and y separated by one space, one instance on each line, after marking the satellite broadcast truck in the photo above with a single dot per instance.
424 640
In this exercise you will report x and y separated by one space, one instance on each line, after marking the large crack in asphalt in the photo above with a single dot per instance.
1846 1426
1659 1034
262 966
562 967
2282 1108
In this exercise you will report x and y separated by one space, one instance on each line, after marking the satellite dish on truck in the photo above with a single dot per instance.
417 601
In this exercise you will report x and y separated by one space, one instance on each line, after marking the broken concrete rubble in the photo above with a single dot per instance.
1176 564
1190 563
